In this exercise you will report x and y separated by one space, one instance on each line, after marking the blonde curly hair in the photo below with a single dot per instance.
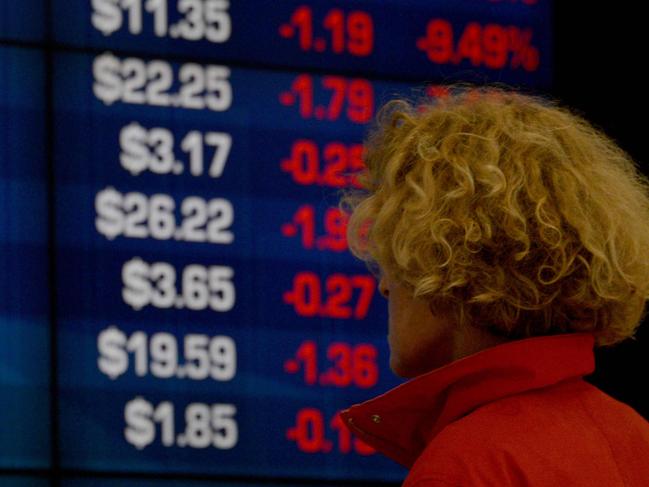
514 213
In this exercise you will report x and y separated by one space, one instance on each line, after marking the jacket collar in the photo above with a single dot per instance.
401 422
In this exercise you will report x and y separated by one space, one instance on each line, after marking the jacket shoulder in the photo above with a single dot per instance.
551 435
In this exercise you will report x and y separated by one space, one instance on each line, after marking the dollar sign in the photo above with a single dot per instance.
135 153
140 430
113 359
108 82
106 16
137 287
110 219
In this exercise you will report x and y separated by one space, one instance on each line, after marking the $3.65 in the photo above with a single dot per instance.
202 287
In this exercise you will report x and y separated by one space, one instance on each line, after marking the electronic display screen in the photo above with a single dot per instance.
177 165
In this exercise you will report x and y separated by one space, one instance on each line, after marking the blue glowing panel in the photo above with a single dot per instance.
24 326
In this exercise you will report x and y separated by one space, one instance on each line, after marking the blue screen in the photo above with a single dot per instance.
179 165
24 295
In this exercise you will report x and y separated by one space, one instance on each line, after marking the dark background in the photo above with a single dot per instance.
599 57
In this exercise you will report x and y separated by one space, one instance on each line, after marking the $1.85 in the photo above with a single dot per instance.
205 425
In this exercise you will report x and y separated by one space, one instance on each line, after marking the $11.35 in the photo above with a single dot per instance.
199 19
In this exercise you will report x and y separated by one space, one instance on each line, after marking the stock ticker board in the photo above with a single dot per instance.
178 164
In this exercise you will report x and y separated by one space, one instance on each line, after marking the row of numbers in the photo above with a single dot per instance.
193 86
341 32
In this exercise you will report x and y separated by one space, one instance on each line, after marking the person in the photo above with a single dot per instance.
512 238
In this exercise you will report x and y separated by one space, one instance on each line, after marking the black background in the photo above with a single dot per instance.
599 60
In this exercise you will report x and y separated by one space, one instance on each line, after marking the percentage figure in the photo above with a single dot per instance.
493 46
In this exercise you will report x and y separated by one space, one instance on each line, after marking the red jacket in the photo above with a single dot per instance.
517 414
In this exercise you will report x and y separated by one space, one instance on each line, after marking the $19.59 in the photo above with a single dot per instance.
158 355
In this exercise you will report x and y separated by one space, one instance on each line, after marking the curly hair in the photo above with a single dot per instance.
512 212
